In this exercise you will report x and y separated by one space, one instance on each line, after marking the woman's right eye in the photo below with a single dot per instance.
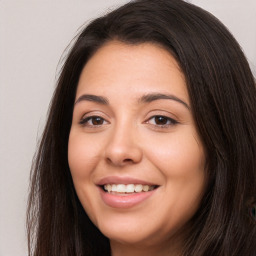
93 121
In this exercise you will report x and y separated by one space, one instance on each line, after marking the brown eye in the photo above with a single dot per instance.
96 120
162 121
93 121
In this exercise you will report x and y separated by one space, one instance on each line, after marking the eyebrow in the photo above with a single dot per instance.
147 98
160 96
89 97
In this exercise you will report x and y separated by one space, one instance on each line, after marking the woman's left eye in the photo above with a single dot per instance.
161 121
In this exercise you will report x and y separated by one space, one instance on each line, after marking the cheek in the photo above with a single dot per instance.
83 155
181 160
178 155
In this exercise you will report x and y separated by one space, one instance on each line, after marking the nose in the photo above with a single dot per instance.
123 147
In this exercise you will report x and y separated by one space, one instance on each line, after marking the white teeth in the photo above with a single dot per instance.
121 188
138 188
129 188
114 188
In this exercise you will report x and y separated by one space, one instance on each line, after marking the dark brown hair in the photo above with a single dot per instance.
223 98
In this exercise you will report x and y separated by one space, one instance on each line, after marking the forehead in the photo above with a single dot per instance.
123 67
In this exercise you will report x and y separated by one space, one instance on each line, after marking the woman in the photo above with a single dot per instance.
149 146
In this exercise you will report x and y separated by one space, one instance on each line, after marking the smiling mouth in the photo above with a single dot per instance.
127 188
125 194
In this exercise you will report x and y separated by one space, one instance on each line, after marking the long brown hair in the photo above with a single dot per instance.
223 98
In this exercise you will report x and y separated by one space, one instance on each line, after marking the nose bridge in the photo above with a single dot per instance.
122 146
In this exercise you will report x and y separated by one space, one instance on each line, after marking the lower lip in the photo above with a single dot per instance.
125 200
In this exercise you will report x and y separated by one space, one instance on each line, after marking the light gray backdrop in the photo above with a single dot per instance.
33 35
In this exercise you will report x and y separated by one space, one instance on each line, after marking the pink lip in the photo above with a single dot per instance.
124 200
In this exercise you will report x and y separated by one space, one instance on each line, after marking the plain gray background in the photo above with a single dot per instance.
33 36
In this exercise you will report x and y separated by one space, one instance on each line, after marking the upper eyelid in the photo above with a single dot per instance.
173 120
91 116
95 113
159 112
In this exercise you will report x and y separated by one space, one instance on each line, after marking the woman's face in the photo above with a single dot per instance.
136 159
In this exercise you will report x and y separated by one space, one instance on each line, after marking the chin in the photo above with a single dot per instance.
130 231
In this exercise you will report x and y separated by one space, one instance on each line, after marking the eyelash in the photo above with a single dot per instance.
85 121
169 121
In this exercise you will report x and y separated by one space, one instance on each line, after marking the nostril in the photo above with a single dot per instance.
119 161
109 160
127 160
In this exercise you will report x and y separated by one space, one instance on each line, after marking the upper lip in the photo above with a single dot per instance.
122 180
